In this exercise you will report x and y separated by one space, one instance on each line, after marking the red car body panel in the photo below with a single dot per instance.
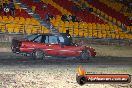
55 49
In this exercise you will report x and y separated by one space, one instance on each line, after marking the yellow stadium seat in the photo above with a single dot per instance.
102 13
33 8
10 27
56 24
117 36
28 19
16 30
131 28
98 26
99 35
94 26
128 28
94 9
71 24
98 11
34 31
22 20
11 18
103 26
61 24
61 29
64 30
106 16
115 27
28 31
76 33
52 21
122 36
114 20
75 24
85 34
5 19
113 35
81 27
0 18
2 27
66 24
110 18
16 20
81 33
89 27
119 23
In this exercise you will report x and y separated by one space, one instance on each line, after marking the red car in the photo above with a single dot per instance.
41 45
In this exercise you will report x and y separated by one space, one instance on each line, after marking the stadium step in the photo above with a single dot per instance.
36 16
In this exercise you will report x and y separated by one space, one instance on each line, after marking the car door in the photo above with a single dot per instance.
52 45
37 43
67 49
31 43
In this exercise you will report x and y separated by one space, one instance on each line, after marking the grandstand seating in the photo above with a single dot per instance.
109 11
93 30
84 15
90 26
21 23
40 11
77 30
58 7
118 6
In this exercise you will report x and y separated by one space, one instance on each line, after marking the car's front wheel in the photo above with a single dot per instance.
38 54
84 55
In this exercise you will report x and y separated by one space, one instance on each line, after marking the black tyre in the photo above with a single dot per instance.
81 80
38 54
84 55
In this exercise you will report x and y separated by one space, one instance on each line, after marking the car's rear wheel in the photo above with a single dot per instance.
84 55
38 54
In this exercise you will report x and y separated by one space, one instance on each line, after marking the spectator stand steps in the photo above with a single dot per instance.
28 9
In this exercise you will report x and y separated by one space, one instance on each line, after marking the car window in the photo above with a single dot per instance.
53 40
61 39
31 37
38 39
46 40
67 40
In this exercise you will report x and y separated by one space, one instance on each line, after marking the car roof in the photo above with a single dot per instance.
54 34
